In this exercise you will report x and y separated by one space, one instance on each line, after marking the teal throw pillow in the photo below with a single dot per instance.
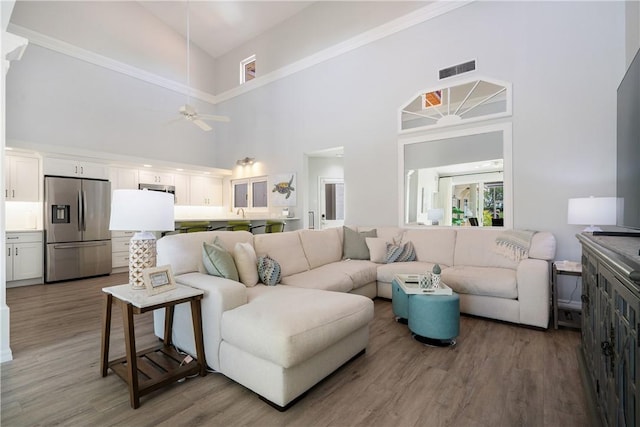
218 262
400 253
354 245
269 270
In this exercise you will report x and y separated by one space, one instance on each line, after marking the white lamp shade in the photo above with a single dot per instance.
592 211
141 210
435 214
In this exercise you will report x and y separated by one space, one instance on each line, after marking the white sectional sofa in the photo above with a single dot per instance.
281 340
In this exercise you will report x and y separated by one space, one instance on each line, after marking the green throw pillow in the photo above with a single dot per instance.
218 262
355 245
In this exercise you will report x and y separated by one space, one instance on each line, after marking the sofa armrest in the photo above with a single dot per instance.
220 295
543 246
532 277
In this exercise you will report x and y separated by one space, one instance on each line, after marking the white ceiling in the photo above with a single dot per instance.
219 26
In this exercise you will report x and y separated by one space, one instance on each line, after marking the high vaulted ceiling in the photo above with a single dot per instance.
219 26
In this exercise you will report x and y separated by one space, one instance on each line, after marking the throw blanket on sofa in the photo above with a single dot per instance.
514 244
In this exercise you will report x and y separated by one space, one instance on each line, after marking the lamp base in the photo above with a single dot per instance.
142 255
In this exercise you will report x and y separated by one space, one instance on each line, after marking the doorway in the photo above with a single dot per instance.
325 178
331 202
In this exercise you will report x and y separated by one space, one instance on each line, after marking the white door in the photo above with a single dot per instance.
331 202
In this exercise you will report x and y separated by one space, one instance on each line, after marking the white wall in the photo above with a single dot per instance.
56 101
563 137
118 30
632 29
315 28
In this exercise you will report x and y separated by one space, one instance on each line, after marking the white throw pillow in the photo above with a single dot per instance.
377 249
246 263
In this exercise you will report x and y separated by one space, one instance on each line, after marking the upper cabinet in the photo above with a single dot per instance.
154 177
22 179
75 168
205 191
123 179
182 183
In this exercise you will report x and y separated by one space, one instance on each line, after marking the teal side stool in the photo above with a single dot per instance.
435 320
399 302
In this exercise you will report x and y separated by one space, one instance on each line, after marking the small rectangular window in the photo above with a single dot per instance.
248 69
251 193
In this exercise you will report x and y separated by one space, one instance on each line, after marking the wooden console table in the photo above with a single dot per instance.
155 367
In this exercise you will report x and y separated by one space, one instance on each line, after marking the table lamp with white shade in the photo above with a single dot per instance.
435 215
142 211
592 211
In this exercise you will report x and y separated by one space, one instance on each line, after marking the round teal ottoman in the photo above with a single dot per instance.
399 302
435 319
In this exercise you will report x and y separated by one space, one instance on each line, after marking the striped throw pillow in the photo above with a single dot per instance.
400 253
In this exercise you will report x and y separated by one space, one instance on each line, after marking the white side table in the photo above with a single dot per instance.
153 368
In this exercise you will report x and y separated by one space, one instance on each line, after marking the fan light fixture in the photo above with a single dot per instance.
246 161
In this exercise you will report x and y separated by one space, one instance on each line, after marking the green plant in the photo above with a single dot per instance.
436 269
456 218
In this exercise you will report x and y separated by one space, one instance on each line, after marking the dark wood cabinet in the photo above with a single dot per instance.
610 323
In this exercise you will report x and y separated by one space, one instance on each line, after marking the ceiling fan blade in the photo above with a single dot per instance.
214 117
202 125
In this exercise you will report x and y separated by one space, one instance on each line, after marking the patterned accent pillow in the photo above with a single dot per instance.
400 253
269 270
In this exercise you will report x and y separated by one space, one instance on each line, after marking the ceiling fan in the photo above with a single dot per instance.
187 111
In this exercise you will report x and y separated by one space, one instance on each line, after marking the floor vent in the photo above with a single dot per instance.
457 69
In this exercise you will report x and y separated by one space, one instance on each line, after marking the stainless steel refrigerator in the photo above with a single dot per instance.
77 236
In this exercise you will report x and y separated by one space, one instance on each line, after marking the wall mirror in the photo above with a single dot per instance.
457 178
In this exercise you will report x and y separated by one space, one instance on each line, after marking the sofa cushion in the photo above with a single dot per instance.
288 325
184 251
247 263
321 246
543 246
355 244
218 261
341 276
389 233
269 270
433 244
487 281
286 248
477 248
326 278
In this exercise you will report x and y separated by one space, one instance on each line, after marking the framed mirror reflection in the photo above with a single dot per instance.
457 177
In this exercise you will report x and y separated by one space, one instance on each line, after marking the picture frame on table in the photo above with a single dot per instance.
158 279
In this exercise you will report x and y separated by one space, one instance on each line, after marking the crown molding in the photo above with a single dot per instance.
416 17
402 23
73 51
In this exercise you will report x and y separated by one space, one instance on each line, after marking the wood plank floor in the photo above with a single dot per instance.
497 375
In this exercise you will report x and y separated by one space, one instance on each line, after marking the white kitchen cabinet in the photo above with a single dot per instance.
205 191
24 257
120 241
123 179
182 184
75 168
155 177
22 179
